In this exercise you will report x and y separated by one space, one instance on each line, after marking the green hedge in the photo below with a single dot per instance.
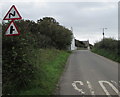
17 51
17 70
108 48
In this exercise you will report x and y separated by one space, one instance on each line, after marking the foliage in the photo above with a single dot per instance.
59 36
108 44
18 67
50 63
108 48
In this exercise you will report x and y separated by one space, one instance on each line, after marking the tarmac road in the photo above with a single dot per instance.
87 73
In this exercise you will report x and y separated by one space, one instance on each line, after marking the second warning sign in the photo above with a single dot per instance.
12 15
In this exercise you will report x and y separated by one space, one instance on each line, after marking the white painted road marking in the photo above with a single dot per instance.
76 88
110 84
115 83
90 87
104 88
74 84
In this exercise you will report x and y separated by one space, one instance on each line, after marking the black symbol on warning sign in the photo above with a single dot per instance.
11 14
11 30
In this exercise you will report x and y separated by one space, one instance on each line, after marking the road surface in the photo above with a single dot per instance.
87 73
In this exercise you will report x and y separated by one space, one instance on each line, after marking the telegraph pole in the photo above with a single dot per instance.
72 29
103 34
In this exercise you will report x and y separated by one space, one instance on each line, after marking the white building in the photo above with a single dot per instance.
73 47
73 44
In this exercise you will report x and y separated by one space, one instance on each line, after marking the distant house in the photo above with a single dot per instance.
82 44
86 44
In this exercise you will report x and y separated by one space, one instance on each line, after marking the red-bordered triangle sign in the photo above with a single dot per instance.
12 30
12 14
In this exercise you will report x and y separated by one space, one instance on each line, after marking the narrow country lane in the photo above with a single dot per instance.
87 73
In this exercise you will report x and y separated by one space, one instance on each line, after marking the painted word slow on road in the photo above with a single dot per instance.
112 84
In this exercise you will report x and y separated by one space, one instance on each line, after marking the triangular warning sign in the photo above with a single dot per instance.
12 14
12 30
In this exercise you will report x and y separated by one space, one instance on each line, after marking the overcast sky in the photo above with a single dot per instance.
86 18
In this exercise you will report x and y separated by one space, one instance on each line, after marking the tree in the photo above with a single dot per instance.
60 36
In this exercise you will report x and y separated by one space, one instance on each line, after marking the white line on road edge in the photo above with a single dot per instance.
76 88
90 87
105 90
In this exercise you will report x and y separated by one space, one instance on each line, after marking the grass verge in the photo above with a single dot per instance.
108 54
50 64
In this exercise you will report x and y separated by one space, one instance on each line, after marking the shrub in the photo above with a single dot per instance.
108 48
17 70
